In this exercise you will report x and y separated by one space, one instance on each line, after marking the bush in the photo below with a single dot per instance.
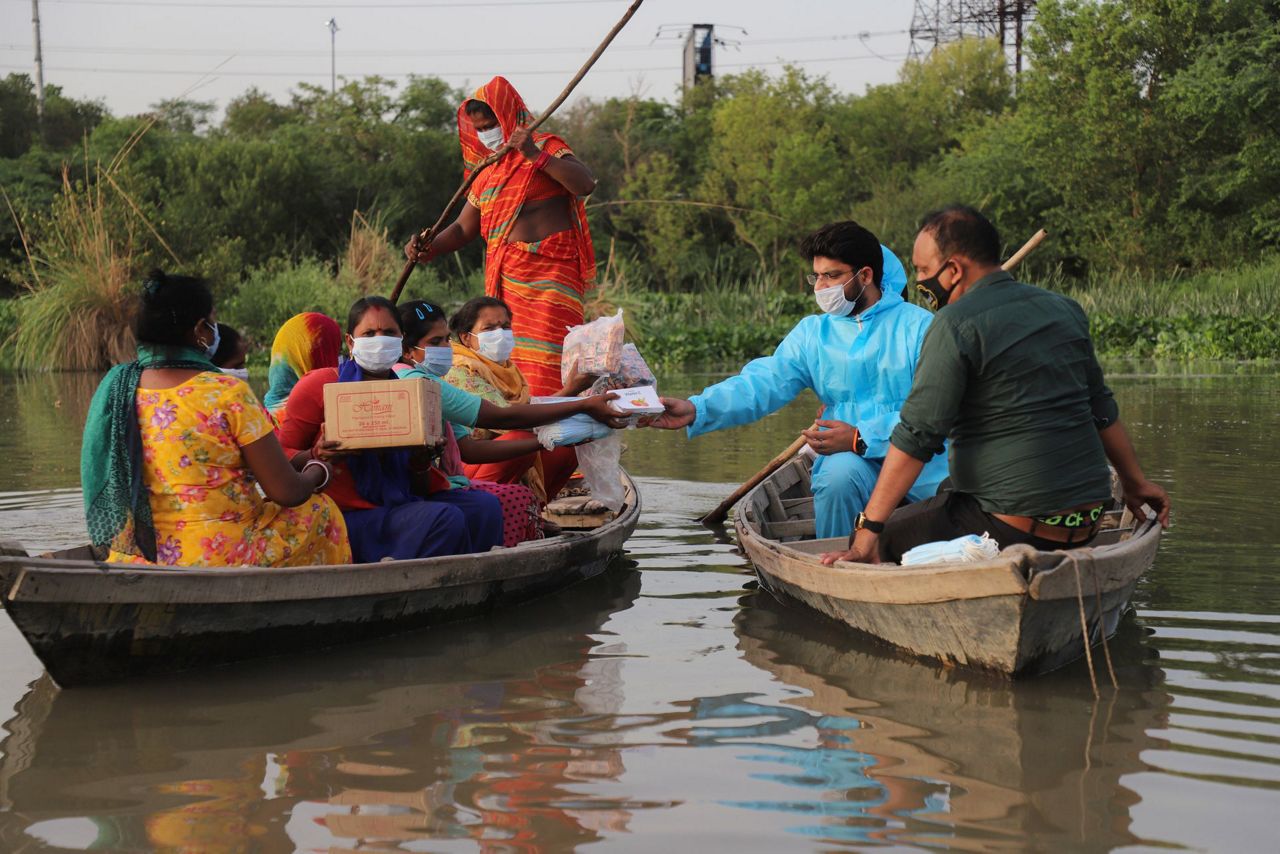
279 289
81 283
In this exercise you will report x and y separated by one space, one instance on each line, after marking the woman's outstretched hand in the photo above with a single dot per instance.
597 406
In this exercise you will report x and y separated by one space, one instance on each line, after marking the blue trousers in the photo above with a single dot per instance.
842 485
481 511
452 522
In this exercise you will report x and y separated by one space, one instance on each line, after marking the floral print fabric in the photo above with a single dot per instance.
205 502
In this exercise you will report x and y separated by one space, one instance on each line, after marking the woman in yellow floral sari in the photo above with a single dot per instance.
175 451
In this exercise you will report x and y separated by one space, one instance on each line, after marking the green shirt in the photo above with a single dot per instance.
1008 373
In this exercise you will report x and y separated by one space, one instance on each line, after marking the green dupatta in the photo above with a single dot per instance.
116 505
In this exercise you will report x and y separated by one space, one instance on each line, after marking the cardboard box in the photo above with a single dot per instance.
383 413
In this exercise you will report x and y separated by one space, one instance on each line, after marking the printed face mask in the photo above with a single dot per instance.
492 138
238 373
935 296
496 344
436 360
377 353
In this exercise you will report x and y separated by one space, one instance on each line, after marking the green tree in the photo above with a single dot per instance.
775 157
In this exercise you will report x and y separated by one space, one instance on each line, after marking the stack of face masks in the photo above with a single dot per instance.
571 431
967 549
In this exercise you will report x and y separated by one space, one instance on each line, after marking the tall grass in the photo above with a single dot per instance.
82 277
369 263
1249 292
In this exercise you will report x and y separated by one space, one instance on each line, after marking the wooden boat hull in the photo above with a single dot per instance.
1018 615
91 622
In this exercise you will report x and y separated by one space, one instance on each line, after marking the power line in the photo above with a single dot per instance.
445 4
561 71
418 52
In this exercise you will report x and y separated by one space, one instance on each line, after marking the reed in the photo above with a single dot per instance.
79 291
1250 291
369 261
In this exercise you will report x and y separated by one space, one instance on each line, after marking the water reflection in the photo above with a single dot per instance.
909 753
666 708
451 734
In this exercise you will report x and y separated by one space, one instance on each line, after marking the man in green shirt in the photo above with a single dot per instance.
1008 373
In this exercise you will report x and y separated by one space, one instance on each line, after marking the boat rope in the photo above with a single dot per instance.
1084 626
1106 645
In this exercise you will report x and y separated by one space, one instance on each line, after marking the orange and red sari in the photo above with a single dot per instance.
544 282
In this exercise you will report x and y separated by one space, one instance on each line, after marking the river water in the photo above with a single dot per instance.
669 703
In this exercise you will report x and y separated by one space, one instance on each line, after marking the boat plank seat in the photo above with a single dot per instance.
803 529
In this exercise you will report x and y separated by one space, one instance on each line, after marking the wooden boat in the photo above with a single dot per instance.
91 621
1018 614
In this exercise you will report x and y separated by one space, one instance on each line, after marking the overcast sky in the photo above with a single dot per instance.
133 53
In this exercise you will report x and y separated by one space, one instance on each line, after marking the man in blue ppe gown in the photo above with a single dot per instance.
858 356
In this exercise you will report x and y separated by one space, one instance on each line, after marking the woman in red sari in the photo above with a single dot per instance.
528 208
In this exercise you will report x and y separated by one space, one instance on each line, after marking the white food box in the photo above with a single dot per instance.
636 403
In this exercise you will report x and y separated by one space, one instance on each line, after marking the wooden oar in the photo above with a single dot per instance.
427 235
717 516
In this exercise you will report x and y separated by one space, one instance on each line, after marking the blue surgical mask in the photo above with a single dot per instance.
436 360
217 339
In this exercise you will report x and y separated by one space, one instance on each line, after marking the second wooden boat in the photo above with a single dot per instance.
1022 613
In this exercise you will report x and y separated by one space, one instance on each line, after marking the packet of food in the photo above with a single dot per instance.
636 403
594 348
632 371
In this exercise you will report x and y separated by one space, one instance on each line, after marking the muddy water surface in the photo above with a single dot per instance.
670 703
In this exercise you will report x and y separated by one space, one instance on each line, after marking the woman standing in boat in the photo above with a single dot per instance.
528 208
174 452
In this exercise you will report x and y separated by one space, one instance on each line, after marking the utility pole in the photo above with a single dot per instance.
697 54
35 26
332 24
936 22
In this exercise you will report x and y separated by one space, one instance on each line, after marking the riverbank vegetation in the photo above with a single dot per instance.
1144 137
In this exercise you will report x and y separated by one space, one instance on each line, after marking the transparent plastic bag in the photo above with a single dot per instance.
601 465
632 371
595 347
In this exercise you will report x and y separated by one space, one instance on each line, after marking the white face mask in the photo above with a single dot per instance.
377 353
495 344
492 138
238 373
217 339
436 360
833 301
